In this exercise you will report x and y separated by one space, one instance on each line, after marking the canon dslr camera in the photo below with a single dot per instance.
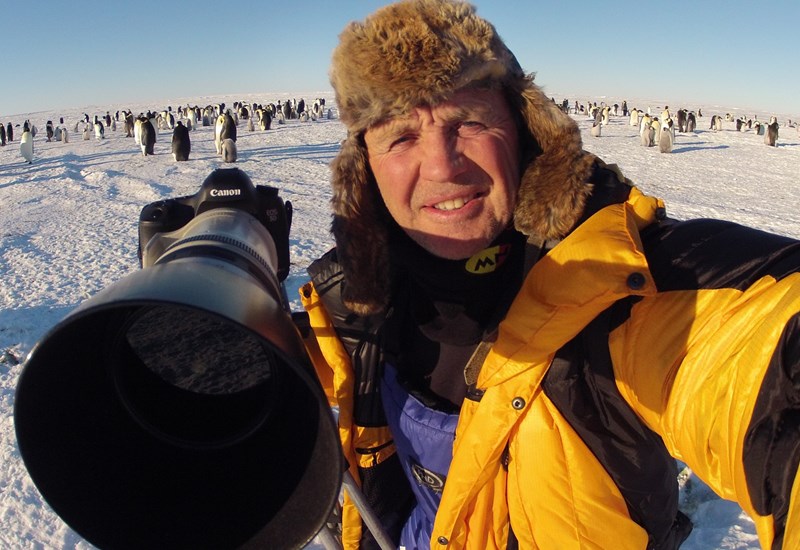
178 406
176 227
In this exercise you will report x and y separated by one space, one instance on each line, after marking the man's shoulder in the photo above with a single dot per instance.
325 267
329 281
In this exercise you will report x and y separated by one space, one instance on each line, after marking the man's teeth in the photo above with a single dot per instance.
453 204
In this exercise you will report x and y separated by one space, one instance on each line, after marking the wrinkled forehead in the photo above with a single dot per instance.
483 103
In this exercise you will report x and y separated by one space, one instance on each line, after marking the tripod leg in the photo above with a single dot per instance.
373 524
329 539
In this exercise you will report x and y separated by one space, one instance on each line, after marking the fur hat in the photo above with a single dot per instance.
420 52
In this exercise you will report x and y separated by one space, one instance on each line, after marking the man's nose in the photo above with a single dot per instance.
442 159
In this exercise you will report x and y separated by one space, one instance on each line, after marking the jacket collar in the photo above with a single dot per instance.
600 262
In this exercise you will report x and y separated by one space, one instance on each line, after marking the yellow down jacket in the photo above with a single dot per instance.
701 342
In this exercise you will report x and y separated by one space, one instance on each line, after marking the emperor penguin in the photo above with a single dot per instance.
26 144
217 132
644 124
665 139
191 117
691 122
265 119
228 150
137 130
228 127
9 132
596 126
224 129
99 129
64 135
181 144
645 136
771 134
128 124
682 120
2 136
656 124
50 130
152 118
148 138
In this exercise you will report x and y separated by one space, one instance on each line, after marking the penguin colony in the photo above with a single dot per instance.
144 127
660 129
654 130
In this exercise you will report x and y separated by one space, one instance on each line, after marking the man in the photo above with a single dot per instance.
520 342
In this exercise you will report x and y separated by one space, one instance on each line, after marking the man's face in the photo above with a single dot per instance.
449 174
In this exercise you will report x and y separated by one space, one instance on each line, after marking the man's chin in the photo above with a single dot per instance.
450 248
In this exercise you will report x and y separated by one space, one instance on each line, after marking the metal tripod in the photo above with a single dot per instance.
332 542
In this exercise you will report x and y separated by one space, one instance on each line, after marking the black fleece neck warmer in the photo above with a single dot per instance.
442 308
474 288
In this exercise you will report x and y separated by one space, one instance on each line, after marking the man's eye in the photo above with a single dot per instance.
469 127
401 140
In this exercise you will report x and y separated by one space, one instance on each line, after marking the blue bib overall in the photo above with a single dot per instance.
424 440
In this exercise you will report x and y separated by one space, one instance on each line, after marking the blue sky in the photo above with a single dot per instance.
58 54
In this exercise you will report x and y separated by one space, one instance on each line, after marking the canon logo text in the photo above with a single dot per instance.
225 192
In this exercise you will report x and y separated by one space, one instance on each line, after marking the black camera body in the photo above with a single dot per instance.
160 222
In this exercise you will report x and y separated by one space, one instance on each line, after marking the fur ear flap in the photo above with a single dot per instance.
553 188
360 229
